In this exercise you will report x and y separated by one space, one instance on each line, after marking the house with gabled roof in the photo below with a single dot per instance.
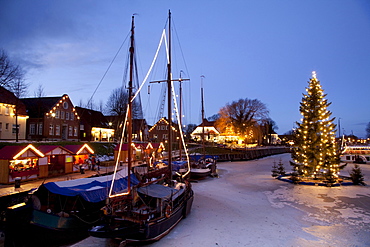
211 133
51 118
12 113
159 131
94 126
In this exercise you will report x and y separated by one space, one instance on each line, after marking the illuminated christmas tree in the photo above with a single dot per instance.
315 153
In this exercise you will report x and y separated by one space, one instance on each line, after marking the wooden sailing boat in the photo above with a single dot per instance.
148 211
203 165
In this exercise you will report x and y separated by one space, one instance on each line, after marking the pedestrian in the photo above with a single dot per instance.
98 164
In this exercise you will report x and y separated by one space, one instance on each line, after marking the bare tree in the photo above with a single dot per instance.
117 104
11 75
39 92
241 116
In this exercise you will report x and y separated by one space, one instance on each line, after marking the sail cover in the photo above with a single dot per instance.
90 189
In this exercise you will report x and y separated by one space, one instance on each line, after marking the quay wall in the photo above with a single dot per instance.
252 153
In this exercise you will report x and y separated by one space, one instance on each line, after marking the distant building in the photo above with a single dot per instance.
159 132
140 129
12 111
51 118
211 134
94 126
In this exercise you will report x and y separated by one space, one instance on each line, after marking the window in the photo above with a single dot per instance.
1 110
70 131
1 126
32 129
56 114
57 130
51 129
72 117
165 136
158 127
82 127
75 131
14 129
163 127
155 136
62 114
40 126
7 126
7 112
65 105
67 115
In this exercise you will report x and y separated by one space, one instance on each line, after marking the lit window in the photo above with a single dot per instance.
7 112
14 129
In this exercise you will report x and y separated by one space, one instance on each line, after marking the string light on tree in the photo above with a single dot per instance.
315 153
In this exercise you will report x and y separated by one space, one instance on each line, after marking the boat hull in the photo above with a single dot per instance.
57 223
199 172
149 232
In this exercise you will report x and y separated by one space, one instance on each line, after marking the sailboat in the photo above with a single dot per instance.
203 165
148 211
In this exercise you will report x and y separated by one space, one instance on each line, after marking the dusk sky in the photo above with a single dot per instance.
261 49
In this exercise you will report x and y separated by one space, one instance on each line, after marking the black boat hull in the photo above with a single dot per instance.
149 232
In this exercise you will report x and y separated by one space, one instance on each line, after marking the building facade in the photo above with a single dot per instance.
94 126
51 119
159 132
12 114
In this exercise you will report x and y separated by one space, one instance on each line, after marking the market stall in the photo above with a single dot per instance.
57 161
19 163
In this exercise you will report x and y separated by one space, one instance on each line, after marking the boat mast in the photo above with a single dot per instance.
201 92
129 113
180 119
169 91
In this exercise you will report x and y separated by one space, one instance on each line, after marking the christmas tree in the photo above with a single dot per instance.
315 154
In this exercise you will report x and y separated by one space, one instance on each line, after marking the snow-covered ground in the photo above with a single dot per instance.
245 206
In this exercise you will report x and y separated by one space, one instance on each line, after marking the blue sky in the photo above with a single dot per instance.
245 49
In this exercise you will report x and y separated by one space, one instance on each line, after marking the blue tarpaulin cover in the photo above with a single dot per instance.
197 157
176 165
91 189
